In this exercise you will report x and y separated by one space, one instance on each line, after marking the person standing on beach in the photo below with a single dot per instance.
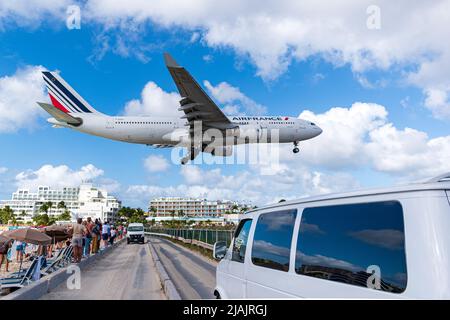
78 231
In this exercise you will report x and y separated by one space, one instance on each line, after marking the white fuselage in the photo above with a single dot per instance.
174 131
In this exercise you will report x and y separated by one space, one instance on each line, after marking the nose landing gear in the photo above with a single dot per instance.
296 149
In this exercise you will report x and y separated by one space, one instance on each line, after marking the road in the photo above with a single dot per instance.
193 275
127 272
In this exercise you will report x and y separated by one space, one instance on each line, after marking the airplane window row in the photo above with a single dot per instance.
142 122
281 122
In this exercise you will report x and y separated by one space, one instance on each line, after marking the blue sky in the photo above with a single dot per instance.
399 131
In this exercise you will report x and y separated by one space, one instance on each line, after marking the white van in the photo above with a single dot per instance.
135 233
383 243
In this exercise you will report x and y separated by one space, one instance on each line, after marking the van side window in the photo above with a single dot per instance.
357 244
240 240
272 239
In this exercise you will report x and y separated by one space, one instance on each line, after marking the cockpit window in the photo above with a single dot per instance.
313 124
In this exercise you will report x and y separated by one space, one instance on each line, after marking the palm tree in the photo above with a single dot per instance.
6 215
65 216
61 205
46 206
23 214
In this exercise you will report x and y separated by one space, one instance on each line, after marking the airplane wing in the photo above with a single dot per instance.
196 104
60 115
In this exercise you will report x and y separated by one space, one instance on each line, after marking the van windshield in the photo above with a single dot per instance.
136 228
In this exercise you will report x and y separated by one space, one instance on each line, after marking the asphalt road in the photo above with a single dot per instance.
193 275
127 272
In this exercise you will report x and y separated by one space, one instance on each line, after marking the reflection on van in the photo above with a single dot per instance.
373 231
381 243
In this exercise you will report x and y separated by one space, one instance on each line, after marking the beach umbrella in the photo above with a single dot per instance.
56 232
29 235
4 239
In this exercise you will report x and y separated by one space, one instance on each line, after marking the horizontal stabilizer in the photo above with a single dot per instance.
60 115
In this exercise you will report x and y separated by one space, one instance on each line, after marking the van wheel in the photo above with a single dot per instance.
128 241
217 294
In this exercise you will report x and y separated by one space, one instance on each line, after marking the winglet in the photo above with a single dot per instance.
170 62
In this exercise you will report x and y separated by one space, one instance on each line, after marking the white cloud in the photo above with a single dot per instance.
273 34
245 186
208 58
154 102
438 102
320 260
278 32
3 170
18 96
408 153
235 102
31 12
57 176
344 135
156 163
362 136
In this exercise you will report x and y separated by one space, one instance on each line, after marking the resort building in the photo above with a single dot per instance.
194 208
84 201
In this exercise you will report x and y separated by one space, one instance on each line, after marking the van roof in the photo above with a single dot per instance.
441 182
135 224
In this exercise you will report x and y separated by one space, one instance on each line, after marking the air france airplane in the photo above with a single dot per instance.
202 118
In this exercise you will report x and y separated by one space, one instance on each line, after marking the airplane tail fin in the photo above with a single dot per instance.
64 97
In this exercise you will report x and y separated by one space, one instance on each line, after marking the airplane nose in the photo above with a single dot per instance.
319 131
315 131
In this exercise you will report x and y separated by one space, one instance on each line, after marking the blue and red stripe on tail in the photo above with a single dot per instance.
63 96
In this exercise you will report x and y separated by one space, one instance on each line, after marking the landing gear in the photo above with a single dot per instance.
190 156
296 149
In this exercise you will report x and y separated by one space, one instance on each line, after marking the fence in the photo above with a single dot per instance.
209 236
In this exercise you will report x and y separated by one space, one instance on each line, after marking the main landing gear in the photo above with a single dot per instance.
296 149
190 156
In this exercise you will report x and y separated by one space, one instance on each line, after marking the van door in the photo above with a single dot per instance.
233 279
268 264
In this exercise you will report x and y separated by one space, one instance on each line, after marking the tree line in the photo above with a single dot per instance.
7 215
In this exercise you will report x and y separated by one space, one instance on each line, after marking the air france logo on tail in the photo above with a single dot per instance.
64 97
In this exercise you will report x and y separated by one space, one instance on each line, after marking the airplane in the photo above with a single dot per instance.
202 128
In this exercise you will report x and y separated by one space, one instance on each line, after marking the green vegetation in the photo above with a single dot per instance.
45 207
65 216
7 215
43 220
133 214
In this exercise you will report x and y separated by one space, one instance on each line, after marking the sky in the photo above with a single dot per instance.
372 74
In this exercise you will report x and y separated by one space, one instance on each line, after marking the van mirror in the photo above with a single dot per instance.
219 250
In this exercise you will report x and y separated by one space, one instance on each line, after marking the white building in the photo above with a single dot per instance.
84 201
166 207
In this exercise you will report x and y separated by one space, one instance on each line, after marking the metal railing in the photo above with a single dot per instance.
207 236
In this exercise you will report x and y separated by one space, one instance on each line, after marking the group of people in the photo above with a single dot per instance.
19 251
88 237
10 249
